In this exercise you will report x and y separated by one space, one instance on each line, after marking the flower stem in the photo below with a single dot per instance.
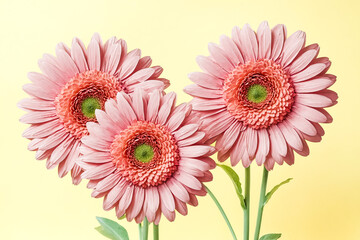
156 232
145 229
140 235
222 212
247 202
261 204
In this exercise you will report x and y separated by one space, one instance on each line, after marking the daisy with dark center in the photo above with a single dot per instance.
145 158
72 86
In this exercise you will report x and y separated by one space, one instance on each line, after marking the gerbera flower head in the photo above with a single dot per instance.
71 86
145 157
262 95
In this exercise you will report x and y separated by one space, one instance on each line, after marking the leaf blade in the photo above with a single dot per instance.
271 236
236 182
269 194
111 229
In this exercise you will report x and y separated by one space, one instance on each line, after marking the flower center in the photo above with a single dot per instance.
257 93
89 105
81 96
144 153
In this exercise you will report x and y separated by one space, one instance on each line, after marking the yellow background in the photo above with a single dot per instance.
323 200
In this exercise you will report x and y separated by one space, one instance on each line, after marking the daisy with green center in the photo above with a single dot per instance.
145 156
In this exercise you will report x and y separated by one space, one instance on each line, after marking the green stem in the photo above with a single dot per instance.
222 212
156 232
247 202
261 204
145 229
140 235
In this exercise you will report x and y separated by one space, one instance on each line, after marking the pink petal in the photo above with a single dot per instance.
306 55
196 163
79 56
188 180
197 91
264 146
314 100
219 123
125 108
208 104
70 163
232 51
227 140
54 140
138 104
153 106
152 201
292 47
291 136
178 190
314 85
264 39
97 157
251 141
144 62
42 130
269 163
196 151
300 123
114 194
312 114
311 71
198 136
238 150
180 206
44 91
129 65
168 102
126 199
51 70
220 58
278 144
99 171
108 182
209 66
139 76
136 204
186 131
67 64
99 132
166 197
60 153
94 55
206 80
248 43
278 35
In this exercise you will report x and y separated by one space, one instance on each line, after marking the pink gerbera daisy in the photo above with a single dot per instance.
144 156
261 95
73 84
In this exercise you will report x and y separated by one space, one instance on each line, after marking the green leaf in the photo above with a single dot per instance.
269 194
236 181
111 229
271 236
122 217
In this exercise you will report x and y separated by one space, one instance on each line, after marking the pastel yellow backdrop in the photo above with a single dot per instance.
322 202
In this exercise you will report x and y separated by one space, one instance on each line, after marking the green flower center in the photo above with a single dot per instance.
89 105
144 153
257 93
